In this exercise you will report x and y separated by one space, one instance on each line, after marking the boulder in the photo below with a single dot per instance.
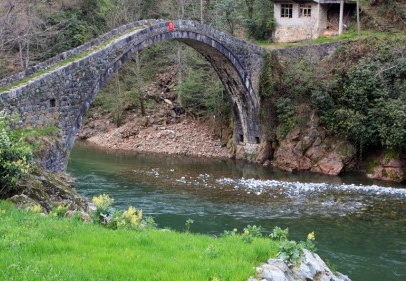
48 190
312 267
264 152
388 166
306 148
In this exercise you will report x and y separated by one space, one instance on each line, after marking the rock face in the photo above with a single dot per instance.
306 148
49 191
312 268
388 167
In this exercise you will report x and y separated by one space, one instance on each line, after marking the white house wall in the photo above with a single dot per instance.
299 28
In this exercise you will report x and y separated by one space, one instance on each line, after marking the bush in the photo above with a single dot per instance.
106 215
358 93
286 116
15 156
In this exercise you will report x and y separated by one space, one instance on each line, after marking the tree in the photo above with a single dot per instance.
228 15
250 8
23 29
260 22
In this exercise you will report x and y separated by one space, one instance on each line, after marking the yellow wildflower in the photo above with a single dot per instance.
36 209
311 236
102 202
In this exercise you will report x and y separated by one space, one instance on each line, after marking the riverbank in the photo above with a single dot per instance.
51 248
68 249
154 133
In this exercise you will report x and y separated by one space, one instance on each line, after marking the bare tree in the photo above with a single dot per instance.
123 12
24 30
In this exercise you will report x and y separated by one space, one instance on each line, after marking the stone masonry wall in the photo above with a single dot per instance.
62 96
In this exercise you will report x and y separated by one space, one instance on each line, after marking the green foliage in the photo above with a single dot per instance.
108 216
291 251
188 223
15 155
229 15
60 210
358 93
279 234
266 84
211 252
71 31
202 99
286 114
102 202
105 214
250 232
262 24
230 232
36 209
309 242
130 218
93 12
370 108
35 247
302 77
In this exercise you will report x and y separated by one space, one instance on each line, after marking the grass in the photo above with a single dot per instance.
350 35
35 247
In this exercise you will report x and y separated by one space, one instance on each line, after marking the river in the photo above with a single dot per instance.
360 224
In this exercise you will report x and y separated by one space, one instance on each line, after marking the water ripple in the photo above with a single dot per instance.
297 188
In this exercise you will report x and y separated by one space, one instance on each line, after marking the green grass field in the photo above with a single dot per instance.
35 247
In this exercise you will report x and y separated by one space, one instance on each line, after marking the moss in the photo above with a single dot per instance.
371 166
65 62
384 173
48 190
391 154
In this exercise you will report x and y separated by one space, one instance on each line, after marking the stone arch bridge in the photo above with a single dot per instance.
58 92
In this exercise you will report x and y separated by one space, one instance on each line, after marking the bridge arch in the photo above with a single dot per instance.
62 95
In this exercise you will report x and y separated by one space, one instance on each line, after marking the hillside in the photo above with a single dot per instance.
384 15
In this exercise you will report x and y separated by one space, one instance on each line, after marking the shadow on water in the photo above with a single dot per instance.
360 224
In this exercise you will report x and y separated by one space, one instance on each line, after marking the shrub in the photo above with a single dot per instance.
15 155
250 232
285 110
279 234
130 219
104 213
292 251
108 216
60 211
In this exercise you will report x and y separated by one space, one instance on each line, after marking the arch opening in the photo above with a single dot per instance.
233 76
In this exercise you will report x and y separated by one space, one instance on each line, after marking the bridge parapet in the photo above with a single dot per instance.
8 81
59 91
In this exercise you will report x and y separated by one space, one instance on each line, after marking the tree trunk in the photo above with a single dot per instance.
181 13
139 84
250 6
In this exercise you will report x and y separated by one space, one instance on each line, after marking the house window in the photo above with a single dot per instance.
305 10
286 10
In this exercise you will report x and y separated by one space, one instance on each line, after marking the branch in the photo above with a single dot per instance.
11 9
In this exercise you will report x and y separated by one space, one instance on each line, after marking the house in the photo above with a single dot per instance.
298 20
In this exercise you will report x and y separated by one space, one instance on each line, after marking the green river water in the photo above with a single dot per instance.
360 224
